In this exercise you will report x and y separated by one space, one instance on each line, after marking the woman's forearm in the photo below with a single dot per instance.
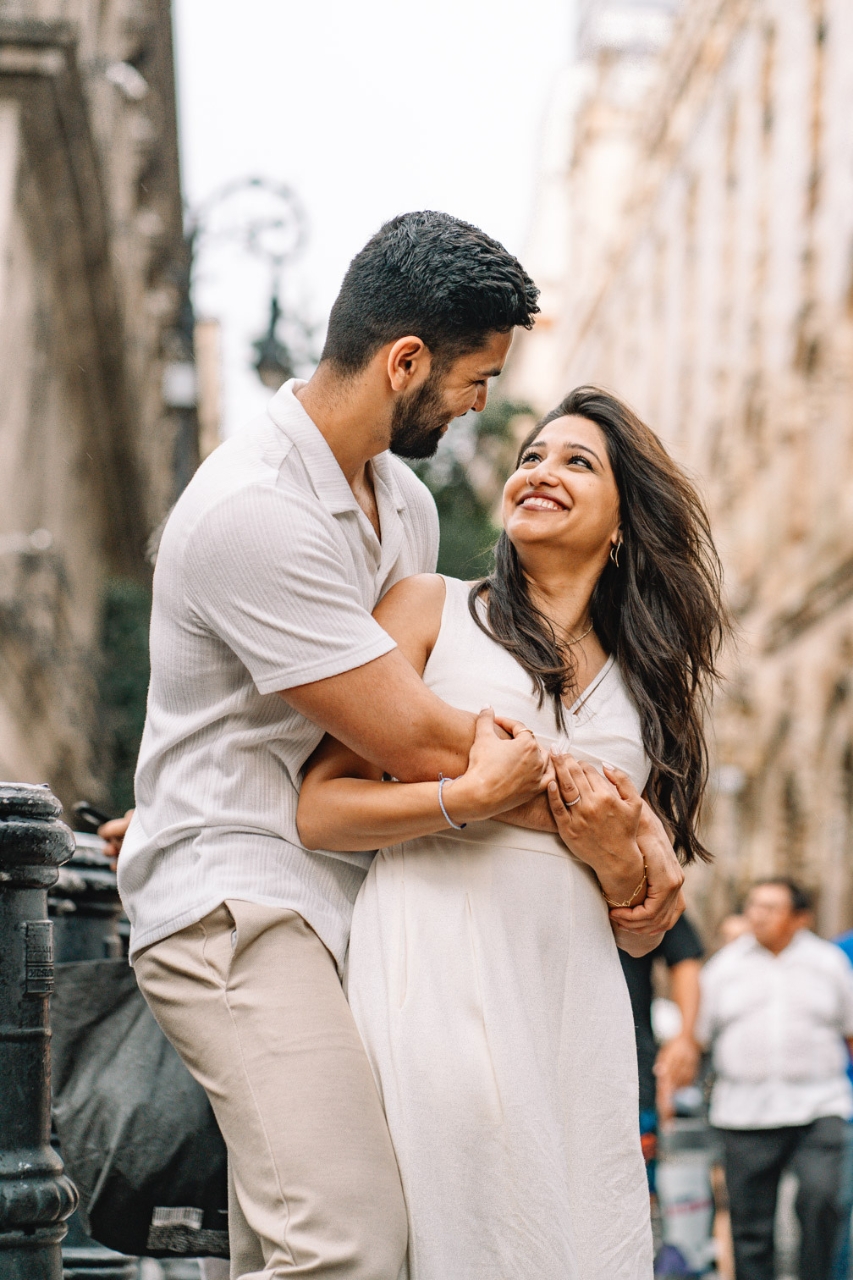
357 814
622 877
344 806
634 944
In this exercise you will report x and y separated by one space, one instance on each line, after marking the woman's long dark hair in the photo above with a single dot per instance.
659 612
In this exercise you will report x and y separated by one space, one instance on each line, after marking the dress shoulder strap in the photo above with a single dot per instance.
454 636
456 602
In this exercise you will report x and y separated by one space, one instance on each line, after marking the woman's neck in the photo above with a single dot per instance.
563 598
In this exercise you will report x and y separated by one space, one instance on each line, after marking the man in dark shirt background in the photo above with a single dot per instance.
675 1065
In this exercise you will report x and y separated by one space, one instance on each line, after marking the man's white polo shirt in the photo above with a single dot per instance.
266 578
777 1026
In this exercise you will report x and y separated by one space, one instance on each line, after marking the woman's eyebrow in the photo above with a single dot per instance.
568 448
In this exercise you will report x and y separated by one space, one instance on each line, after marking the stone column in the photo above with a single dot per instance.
35 1197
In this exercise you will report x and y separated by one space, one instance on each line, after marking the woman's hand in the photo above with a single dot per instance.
505 769
598 818
664 901
603 832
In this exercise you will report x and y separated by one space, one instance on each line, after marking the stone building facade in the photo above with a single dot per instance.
98 429
704 202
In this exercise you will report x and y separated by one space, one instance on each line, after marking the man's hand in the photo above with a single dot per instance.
113 833
664 901
675 1068
505 767
678 1061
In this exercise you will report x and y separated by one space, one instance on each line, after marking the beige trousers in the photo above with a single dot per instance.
251 1000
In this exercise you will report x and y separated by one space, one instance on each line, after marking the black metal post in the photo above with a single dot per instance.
85 908
35 1197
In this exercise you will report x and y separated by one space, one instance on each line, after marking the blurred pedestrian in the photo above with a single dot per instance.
732 927
841 1266
777 1005
676 1062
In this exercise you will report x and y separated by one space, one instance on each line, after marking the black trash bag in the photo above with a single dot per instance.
136 1131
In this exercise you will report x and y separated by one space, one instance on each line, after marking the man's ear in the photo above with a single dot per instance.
409 362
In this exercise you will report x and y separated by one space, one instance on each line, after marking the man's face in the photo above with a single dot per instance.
771 916
422 416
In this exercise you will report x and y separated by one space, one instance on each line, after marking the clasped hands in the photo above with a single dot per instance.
601 818
607 824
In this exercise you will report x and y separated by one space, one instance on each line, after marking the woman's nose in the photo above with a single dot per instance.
542 473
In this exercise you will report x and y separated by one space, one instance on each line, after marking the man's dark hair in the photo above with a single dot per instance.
801 899
432 276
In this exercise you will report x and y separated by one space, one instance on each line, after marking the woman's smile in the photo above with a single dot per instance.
541 502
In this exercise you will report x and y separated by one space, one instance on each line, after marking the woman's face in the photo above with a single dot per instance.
564 493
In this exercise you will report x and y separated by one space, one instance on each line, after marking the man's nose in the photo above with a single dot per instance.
480 400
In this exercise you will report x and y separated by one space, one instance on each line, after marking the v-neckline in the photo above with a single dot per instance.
590 689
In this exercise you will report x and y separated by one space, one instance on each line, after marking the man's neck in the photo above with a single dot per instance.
353 420
777 951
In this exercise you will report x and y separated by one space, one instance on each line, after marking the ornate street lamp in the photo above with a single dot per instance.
274 364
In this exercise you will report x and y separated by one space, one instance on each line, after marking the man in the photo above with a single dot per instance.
675 1065
776 1007
841 1264
262 639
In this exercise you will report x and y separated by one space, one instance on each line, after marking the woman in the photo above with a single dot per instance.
483 971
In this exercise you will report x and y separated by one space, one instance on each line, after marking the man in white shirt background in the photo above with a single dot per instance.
776 1009
262 639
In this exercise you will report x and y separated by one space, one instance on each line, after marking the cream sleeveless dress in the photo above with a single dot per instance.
484 979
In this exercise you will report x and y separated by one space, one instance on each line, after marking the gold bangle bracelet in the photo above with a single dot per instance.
629 902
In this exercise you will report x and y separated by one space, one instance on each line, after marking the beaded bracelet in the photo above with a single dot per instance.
629 901
457 826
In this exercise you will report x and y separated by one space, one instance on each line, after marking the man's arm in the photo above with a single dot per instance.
384 712
678 1060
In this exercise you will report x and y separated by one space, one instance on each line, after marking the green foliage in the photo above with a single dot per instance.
123 683
466 477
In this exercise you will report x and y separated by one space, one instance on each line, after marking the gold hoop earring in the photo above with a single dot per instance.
614 553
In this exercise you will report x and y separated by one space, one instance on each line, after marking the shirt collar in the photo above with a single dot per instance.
384 473
751 944
330 483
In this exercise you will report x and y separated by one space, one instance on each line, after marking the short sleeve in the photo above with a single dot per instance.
270 574
681 942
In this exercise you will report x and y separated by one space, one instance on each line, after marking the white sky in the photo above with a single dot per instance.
367 108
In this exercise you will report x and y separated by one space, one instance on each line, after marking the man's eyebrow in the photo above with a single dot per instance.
493 373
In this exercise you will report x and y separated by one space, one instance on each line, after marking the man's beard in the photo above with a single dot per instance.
418 420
